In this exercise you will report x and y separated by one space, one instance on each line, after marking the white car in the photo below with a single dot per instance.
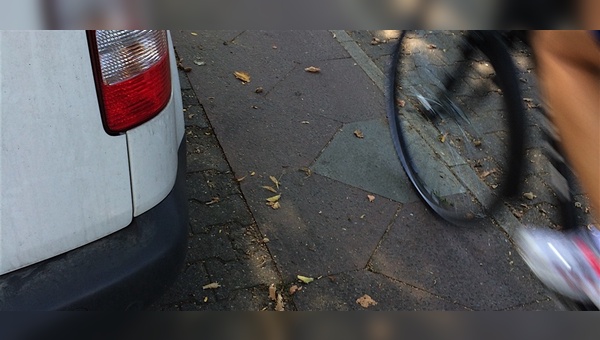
93 212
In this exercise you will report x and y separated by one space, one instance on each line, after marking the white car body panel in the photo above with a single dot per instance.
64 182
153 151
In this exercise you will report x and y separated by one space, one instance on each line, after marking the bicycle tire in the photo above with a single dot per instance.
449 174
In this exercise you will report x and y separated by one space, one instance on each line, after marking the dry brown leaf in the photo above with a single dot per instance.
194 33
213 201
241 179
518 213
477 142
443 137
279 306
271 189
366 301
273 292
274 199
294 289
243 76
312 69
401 103
252 173
371 198
307 171
377 41
259 90
359 134
213 285
275 205
487 173
275 181
431 46
529 195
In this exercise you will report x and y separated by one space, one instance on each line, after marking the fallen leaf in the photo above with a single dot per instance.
518 213
359 134
279 306
194 33
294 289
305 122
528 100
187 69
307 171
366 301
477 142
271 189
371 198
241 179
199 62
312 69
274 198
529 195
443 137
487 173
578 205
376 41
431 46
273 292
401 103
243 76
213 201
205 299
213 285
255 107
259 90
275 181
265 240
252 173
305 279
274 47
275 205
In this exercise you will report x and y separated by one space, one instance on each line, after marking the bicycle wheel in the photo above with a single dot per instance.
456 117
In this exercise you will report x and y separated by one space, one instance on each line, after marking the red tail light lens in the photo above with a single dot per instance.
133 76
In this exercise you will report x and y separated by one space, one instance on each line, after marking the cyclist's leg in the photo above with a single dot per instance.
569 73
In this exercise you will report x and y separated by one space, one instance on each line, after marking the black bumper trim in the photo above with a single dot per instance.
125 270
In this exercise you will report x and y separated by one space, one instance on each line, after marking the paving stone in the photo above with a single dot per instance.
236 275
477 266
188 288
211 242
203 151
195 116
340 292
322 227
221 184
228 209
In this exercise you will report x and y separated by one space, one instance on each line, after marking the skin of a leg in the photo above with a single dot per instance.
568 65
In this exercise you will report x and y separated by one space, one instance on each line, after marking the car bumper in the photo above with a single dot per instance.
125 270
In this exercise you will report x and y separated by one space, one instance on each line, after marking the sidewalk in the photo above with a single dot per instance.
347 216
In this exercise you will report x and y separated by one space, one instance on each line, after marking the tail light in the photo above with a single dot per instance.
132 75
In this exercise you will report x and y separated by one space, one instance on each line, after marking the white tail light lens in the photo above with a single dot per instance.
133 74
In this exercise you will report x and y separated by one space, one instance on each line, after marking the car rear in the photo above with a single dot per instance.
92 164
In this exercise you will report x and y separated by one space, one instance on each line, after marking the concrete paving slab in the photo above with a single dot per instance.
323 226
369 163
340 91
477 267
340 292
